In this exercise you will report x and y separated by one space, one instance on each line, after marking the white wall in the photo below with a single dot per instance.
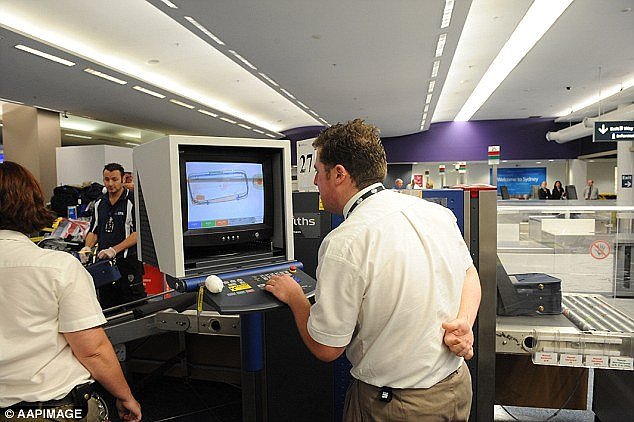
601 171
80 164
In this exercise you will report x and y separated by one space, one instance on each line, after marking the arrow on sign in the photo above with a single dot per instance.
627 184
603 129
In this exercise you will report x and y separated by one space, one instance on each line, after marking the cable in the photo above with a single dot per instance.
570 396
579 378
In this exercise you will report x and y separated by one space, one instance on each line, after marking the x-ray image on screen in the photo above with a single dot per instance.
224 194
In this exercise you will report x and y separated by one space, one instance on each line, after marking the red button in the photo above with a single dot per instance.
292 269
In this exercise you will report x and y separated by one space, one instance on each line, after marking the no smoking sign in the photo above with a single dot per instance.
600 249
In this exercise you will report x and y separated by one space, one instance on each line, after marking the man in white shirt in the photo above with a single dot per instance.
590 191
397 289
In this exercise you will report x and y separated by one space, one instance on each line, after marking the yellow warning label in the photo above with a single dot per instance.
238 287
321 204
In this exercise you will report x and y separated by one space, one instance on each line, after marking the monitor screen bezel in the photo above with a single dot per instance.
227 154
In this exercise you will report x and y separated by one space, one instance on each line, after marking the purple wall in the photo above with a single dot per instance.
299 134
519 139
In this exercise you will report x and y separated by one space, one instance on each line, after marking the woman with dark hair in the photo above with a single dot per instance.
52 344
558 191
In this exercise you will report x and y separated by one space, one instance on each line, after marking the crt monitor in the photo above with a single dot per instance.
202 202
228 196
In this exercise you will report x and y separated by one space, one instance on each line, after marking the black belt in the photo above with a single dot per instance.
78 396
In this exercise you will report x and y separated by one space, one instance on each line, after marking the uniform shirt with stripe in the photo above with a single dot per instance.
122 212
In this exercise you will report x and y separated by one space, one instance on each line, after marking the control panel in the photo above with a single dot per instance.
242 291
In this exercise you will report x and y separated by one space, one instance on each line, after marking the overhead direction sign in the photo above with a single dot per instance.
626 181
613 131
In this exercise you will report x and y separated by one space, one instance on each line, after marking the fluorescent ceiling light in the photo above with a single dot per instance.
72 135
244 126
434 70
149 92
208 113
258 131
270 135
446 14
44 55
426 109
302 104
268 79
243 60
168 3
324 121
313 113
204 30
72 125
131 143
428 99
605 93
424 116
287 93
538 19
233 122
182 104
440 46
432 84
105 76
135 135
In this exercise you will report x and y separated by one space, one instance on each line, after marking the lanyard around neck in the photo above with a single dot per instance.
364 197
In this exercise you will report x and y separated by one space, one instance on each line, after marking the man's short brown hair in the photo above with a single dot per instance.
356 146
21 200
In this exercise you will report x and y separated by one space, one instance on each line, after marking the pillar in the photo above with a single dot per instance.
30 137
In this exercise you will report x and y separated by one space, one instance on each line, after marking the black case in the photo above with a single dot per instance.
527 294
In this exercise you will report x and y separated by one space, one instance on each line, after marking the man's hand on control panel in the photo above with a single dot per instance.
284 288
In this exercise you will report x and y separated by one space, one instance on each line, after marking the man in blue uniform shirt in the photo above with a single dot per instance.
113 228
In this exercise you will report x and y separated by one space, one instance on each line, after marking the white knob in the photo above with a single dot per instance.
213 283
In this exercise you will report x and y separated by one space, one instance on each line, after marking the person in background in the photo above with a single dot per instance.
128 181
113 227
397 289
398 184
543 192
590 191
558 191
52 345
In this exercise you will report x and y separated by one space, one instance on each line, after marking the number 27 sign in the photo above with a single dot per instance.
306 156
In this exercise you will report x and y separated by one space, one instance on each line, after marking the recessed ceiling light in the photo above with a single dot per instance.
538 162
505 161
434 70
182 104
268 79
538 19
446 13
105 76
208 113
551 160
45 55
153 61
169 4
147 91
287 93
228 120
440 46
72 135
243 60
204 30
